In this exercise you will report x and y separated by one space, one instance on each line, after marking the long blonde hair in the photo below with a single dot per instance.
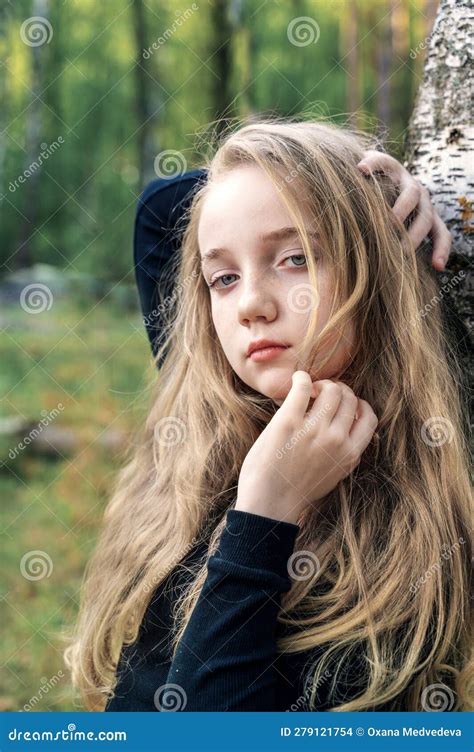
386 585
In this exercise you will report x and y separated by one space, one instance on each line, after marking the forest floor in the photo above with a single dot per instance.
84 370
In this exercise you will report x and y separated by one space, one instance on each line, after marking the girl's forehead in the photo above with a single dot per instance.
244 194
246 204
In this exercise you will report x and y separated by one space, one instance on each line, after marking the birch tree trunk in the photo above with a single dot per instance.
440 148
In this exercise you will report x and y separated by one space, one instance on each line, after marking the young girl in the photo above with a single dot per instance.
292 532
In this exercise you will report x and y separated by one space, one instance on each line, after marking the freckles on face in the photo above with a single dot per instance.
262 288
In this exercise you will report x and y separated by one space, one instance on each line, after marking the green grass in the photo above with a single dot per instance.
95 361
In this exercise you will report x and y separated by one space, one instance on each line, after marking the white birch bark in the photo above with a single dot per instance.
440 148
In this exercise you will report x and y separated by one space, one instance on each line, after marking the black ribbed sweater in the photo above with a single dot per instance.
227 658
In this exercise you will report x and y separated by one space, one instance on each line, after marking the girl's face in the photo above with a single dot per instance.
261 284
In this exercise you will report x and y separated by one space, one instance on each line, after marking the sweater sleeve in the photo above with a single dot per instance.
225 659
156 243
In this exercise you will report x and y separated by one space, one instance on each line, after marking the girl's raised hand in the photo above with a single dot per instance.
302 454
413 195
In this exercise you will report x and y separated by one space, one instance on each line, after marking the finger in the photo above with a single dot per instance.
377 160
347 409
409 187
327 402
296 401
410 192
410 195
363 428
423 222
442 242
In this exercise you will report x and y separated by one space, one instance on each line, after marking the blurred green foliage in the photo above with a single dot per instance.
113 107
95 363
112 110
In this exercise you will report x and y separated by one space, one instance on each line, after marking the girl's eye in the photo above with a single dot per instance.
297 256
294 256
217 279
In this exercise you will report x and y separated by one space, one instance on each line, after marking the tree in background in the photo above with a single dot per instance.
440 146
144 83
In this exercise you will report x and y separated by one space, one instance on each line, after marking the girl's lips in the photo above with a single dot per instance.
267 353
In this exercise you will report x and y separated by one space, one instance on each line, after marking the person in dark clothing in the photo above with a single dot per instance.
236 592
219 583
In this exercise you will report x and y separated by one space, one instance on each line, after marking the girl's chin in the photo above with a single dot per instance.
274 383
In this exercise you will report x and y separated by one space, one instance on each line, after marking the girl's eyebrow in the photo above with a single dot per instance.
275 236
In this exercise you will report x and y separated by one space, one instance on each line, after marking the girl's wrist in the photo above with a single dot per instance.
268 509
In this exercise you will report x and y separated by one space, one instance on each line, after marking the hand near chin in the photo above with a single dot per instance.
304 452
